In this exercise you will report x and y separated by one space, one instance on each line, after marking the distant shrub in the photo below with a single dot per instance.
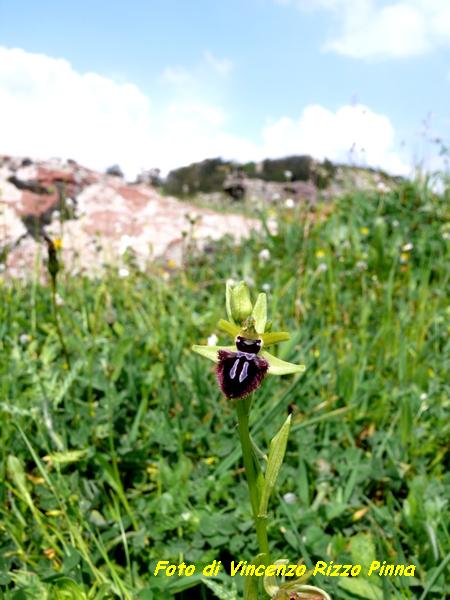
250 169
115 171
206 176
213 174
324 173
300 168
150 177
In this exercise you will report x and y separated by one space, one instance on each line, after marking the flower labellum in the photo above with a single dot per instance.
240 373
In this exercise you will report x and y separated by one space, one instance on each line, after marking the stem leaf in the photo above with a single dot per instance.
275 460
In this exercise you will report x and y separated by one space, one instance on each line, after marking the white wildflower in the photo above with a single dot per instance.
126 241
322 267
290 498
24 339
123 272
212 340
264 255
59 301
423 396
361 265
272 225
383 188
407 247
289 203
266 287
288 174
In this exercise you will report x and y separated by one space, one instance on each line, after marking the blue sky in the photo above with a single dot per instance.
163 83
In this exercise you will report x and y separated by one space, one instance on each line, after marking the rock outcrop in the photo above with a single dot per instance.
98 217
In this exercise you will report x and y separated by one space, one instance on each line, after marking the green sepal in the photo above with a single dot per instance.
273 338
228 327
277 451
211 352
259 313
280 367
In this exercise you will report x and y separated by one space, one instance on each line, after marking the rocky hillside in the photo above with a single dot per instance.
300 178
100 219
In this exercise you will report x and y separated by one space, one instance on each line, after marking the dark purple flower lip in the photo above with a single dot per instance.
240 373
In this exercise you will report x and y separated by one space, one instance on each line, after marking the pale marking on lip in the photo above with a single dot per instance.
247 355
244 372
234 368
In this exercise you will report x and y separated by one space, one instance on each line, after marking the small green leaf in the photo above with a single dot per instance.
274 462
251 583
69 456
239 305
219 589
211 351
362 550
281 367
260 313
361 588
250 589
17 475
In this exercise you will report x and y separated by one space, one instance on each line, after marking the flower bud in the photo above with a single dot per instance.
239 305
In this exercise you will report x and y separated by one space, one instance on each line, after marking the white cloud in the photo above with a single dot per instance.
222 66
352 133
178 76
49 109
193 76
380 29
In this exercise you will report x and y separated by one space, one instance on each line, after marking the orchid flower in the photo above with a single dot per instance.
242 366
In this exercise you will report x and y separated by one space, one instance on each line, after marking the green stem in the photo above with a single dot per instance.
243 408
58 326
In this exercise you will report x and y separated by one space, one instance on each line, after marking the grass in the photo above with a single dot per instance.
131 455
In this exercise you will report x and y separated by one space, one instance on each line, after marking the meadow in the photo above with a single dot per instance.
121 451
